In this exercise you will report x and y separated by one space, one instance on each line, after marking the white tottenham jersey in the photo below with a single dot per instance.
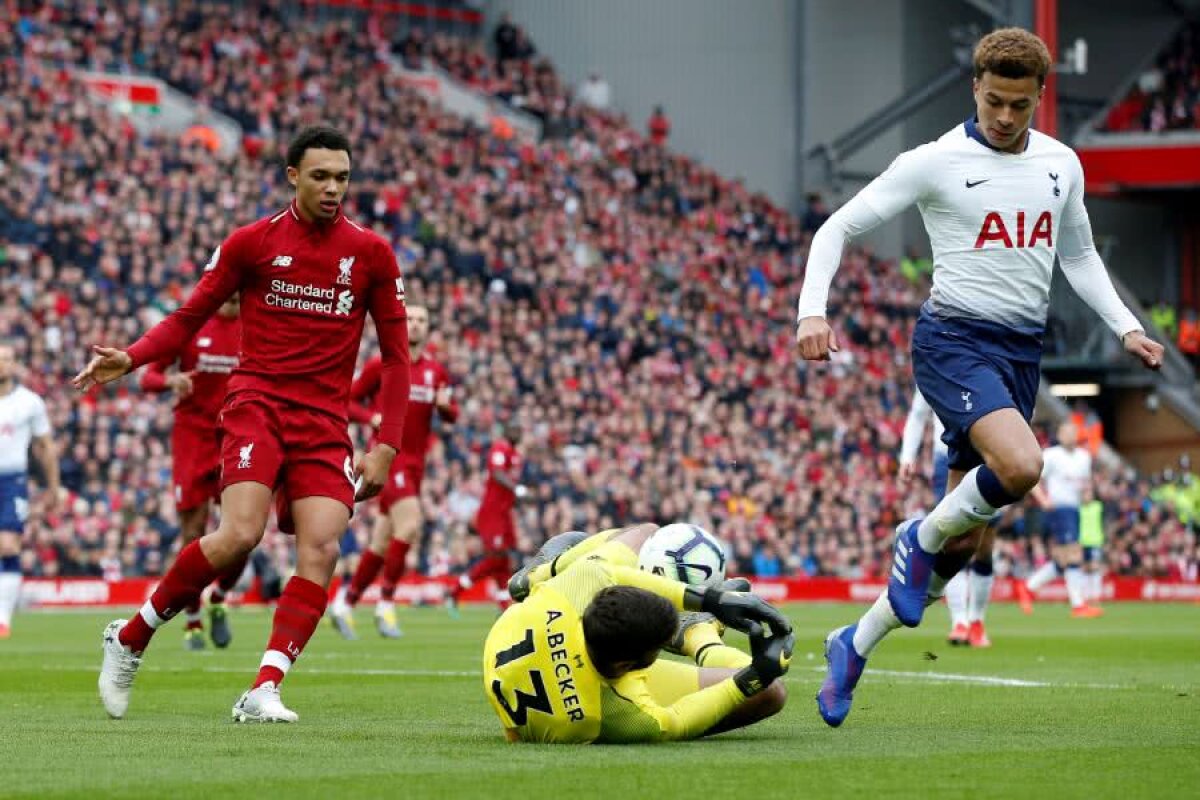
22 417
995 222
1065 474
919 414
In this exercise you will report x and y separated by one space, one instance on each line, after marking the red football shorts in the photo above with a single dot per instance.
496 529
403 481
195 465
297 451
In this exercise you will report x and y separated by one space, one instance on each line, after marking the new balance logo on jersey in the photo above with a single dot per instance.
282 261
994 229
400 289
344 267
345 303
1054 178
244 456
967 404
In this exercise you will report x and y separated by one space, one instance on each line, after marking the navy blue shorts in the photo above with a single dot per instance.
1062 525
14 502
349 543
967 369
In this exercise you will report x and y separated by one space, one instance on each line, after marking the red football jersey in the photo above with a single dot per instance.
427 377
306 288
210 357
498 499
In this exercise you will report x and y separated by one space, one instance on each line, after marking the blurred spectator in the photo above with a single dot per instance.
1189 337
914 266
1166 96
659 127
595 93
815 213
1163 315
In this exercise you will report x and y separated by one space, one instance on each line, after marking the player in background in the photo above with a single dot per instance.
199 386
1091 540
999 202
1066 474
399 524
577 660
494 522
966 598
307 277
23 421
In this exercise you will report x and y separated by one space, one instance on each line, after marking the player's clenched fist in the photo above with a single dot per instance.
815 339
1145 348
107 365
372 471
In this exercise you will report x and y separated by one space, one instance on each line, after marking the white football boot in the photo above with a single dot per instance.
263 705
117 671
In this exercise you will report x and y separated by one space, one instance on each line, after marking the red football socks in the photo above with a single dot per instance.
179 588
393 568
300 609
368 567
228 579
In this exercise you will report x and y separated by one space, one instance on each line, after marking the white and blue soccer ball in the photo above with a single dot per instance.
686 553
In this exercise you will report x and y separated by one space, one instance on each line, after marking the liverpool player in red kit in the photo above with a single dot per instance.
307 276
400 501
494 521
199 388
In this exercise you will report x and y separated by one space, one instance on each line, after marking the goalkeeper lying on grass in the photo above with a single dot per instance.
577 661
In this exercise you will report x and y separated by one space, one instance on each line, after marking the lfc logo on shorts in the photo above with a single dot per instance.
344 267
244 456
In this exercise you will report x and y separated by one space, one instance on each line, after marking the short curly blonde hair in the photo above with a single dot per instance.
1012 53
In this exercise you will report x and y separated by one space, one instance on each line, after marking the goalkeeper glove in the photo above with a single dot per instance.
770 658
740 610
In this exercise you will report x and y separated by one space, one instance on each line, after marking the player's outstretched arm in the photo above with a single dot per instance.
1084 270
222 277
901 185
107 364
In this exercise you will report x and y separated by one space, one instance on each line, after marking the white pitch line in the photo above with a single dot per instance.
903 676
983 680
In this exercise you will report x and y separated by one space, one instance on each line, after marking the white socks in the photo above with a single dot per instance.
956 599
877 623
1076 586
981 593
1044 574
958 512
384 607
1095 584
10 593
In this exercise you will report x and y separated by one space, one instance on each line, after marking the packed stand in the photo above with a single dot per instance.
1166 96
632 309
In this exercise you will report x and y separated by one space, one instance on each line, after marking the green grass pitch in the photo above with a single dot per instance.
1058 708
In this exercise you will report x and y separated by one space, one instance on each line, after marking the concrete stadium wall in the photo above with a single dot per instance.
724 70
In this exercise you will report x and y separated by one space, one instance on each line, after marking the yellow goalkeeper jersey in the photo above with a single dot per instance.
540 681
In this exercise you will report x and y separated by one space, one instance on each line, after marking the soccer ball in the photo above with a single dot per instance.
685 553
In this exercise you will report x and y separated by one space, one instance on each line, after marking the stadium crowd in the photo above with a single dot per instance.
632 309
1166 96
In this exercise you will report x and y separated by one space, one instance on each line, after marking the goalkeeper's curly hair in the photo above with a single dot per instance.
624 624
1012 53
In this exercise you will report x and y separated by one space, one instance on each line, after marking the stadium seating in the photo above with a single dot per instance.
631 307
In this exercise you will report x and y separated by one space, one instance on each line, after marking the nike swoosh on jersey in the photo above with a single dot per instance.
973 184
